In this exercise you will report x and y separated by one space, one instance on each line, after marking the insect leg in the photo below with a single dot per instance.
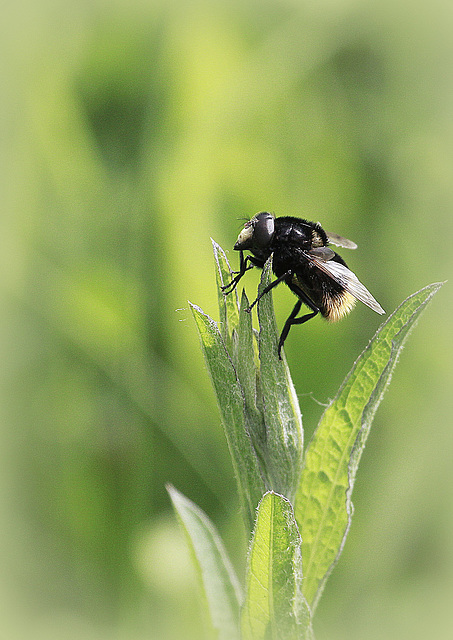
292 317
243 267
268 288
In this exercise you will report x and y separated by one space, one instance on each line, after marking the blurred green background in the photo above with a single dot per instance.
131 133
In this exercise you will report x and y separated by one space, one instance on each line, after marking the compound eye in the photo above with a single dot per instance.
263 229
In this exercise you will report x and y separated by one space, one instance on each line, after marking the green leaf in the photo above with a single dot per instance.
228 304
256 397
275 608
245 358
323 503
230 398
244 354
221 591
283 420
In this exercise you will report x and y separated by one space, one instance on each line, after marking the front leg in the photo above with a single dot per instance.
270 286
243 268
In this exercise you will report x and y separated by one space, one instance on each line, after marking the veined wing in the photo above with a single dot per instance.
339 241
348 280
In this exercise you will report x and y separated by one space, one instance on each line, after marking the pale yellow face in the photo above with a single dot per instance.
245 237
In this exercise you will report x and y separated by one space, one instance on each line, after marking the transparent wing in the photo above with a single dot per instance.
339 241
348 280
323 253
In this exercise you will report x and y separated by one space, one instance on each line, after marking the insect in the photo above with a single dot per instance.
302 260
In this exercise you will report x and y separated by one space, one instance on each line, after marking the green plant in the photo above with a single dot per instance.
296 504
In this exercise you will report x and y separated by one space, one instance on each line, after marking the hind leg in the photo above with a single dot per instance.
293 320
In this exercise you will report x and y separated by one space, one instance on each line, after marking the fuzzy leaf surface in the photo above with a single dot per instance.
228 304
231 401
220 587
323 505
282 417
275 608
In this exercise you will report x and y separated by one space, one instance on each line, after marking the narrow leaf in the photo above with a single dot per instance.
281 408
244 353
275 608
228 304
323 504
231 403
245 362
219 585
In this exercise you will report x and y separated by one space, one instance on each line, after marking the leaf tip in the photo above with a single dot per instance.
173 492
215 246
195 308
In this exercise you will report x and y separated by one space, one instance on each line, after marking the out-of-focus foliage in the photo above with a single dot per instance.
131 133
